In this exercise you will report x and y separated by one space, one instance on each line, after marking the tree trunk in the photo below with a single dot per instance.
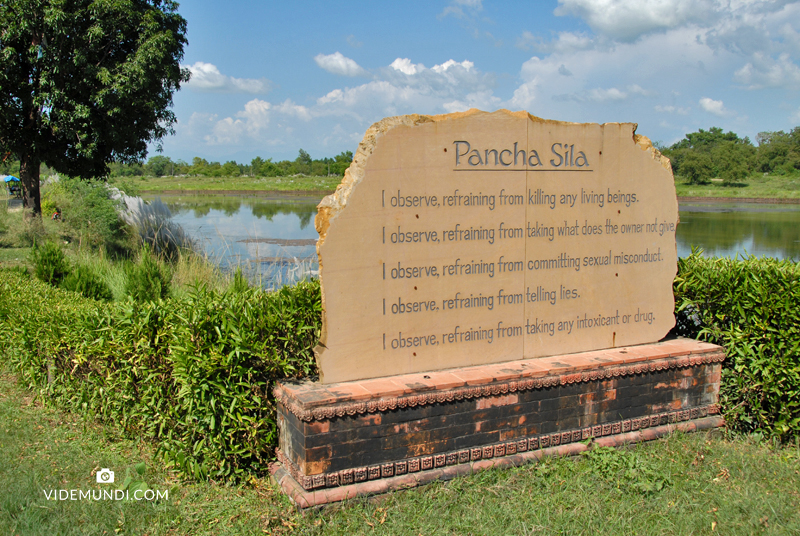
29 177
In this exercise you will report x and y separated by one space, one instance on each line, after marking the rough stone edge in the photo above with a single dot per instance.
302 498
492 388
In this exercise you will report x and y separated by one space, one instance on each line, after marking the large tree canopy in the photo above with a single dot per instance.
86 82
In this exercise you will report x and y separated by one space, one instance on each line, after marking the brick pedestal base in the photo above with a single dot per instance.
358 438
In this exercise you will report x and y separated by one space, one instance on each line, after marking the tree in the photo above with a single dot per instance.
697 167
85 83
159 165
231 169
732 161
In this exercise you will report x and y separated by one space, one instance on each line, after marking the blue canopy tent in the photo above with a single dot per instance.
12 185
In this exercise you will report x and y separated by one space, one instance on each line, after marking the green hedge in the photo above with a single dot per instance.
194 375
752 308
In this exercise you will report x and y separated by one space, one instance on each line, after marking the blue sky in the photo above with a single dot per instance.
270 78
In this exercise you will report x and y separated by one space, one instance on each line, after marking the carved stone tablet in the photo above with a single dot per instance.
476 237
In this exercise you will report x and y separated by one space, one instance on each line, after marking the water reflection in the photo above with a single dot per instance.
270 239
730 230
269 236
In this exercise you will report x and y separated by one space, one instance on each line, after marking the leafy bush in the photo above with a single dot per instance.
148 280
89 212
194 375
752 308
49 263
84 281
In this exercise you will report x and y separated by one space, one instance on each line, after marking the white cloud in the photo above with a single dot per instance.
337 63
594 95
626 20
467 65
405 66
353 42
456 8
671 109
333 96
253 121
524 96
714 107
207 77
564 42
483 100
764 71
289 108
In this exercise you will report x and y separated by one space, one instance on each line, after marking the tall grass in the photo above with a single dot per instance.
152 221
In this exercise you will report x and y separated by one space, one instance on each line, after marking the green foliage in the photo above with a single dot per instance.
258 167
49 263
239 283
630 471
86 82
194 375
89 213
85 282
778 152
696 167
732 161
148 280
159 165
707 140
752 308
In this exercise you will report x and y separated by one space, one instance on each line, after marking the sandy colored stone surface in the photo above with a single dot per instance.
475 238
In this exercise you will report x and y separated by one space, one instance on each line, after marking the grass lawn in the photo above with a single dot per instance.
210 184
685 484
773 186
759 186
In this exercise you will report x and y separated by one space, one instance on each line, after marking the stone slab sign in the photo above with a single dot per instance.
475 238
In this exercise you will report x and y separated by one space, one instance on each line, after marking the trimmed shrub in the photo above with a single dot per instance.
752 308
193 375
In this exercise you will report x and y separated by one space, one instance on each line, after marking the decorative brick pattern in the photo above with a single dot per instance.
397 430
493 389
427 463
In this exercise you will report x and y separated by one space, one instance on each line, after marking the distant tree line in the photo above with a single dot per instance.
698 158
160 166
705 155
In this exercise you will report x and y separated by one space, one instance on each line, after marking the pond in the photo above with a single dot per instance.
272 239
734 229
